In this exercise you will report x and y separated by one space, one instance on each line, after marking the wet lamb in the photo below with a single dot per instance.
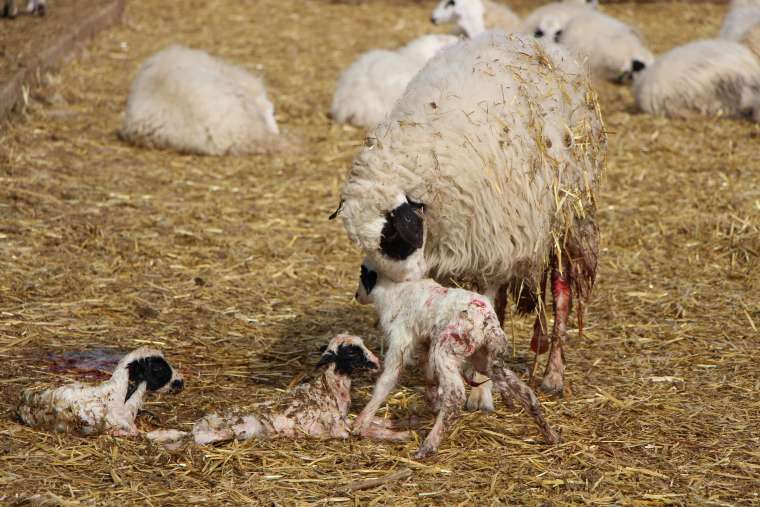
186 100
110 407
613 50
473 17
367 89
444 330
485 176
712 77
10 8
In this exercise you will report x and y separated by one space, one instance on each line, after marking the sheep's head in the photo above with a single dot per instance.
349 354
468 14
549 28
146 365
635 67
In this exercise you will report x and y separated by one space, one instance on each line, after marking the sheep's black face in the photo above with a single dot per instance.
348 359
154 371
403 231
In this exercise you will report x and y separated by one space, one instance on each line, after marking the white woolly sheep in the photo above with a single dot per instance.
612 49
188 101
369 87
486 175
10 8
110 407
442 329
475 16
742 15
317 409
712 77
548 21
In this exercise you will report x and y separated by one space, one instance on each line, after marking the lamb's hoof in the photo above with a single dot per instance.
551 437
423 453
480 399
553 384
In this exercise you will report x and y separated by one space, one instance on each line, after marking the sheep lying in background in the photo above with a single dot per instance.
548 21
368 88
318 409
110 407
473 17
712 77
188 101
505 165
751 40
613 50
443 329
10 8
741 17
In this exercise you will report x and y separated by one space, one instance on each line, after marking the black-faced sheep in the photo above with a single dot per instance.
10 8
110 407
444 330
472 17
186 100
485 172
712 77
369 87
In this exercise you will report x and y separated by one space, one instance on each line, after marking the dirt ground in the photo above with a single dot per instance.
231 266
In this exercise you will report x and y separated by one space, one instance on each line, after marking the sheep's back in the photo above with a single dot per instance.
502 140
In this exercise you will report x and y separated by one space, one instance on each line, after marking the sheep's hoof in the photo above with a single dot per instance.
553 384
480 399
423 452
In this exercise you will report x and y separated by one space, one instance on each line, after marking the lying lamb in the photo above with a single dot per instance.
10 9
450 329
110 407
318 409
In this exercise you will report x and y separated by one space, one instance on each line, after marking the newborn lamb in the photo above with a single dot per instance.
317 409
110 407
450 329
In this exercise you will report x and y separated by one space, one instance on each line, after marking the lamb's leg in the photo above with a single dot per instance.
452 396
383 387
36 7
510 385
555 369
403 423
481 397
10 9
379 429
431 388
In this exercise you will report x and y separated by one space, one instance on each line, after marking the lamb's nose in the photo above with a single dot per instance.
178 384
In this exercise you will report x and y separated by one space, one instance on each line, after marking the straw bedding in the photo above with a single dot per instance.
231 266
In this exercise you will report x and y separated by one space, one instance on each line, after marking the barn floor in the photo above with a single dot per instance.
231 266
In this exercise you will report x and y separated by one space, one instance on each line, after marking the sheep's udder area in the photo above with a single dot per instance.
231 267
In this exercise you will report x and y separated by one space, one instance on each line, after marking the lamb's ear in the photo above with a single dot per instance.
136 370
337 211
131 388
403 231
368 278
326 358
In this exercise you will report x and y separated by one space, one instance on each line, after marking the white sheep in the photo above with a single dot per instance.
316 409
110 407
369 87
485 172
444 330
473 17
742 15
712 77
548 21
612 49
10 8
188 101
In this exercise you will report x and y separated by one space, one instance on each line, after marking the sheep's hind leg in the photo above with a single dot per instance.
481 396
555 369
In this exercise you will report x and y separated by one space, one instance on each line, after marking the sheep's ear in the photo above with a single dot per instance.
368 278
326 358
403 231
337 211
131 388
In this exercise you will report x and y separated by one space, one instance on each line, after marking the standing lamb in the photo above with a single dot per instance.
713 77
110 407
10 8
442 329
612 49
548 21
317 409
368 88
741 17
188 101
473 17
486 175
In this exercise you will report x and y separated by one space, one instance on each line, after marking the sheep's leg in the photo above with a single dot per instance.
10 10
383 387
36 7
431 388
510 385
380 429
555 369
480 397
452 397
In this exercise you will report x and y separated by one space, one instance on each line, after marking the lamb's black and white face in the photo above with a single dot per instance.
150 367
400 253
349 354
